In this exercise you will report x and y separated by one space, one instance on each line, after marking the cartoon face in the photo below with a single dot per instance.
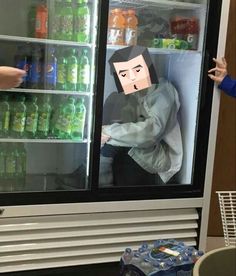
133 74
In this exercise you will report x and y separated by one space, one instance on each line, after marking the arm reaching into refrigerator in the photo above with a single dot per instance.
10 77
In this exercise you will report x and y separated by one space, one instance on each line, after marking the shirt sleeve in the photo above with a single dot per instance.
141 134
228 86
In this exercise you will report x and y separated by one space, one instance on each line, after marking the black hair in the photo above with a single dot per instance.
127 54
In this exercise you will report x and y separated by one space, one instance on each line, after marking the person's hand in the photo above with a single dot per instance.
104 137
10 77
220 70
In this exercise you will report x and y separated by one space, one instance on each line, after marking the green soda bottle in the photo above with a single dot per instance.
18 117
77 131
84 72
56 119
31 117
4 115
72 71
66 117
20 155
44 111
55 21
3 155
32 20
66 16
82 21
61 71
11 162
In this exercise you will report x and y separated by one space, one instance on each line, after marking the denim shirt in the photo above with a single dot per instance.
155 138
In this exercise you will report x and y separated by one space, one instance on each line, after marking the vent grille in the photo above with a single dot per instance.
53 241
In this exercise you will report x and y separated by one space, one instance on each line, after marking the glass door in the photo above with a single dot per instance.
152 92
46 123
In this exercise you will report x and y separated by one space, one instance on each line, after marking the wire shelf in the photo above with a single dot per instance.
227 201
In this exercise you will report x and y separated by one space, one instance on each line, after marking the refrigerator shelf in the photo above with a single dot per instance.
163 51
43 41
160 3
41 91
48 141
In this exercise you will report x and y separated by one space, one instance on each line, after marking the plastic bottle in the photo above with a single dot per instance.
18 117
4 115
78 124
72 71
116 27
23 61
3 155
31 117
61 70
50 70
192 33
20 155
44 110
82 21
41 25
66 118
84 72
128 255
66 15
55 21
10 162
32 20
36 71
131 33
178 27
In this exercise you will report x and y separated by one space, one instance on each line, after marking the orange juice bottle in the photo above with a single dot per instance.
116 27
131 33
41 25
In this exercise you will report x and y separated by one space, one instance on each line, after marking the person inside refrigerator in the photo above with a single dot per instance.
10 77
221 77
148 133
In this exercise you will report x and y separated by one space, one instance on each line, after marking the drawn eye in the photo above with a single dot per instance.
123 75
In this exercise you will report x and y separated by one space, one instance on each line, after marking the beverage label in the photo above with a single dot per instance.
10 165
115 36
31 122
130 36
56 26
169 251
24 65
84 74
41 24
35 74
61 73
78 125
82 24
192 40
72 73
51 73
2 165
6 120
65 124
67 24
18 123
43 122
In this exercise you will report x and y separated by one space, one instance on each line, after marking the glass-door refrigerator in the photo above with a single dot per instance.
109 140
